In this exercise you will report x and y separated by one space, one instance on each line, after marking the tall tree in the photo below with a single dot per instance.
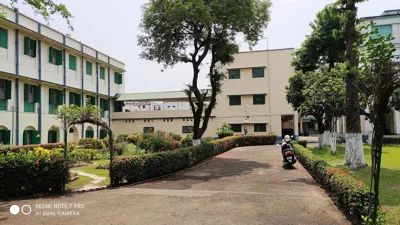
45 8
354 156
188 31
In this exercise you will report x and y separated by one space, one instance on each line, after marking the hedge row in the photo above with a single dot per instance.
347 191
138 168
391 140
26 148
27 173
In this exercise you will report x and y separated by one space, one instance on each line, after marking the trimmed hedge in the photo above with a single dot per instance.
26 148
28 173
391 140
349 192
138 168
91 143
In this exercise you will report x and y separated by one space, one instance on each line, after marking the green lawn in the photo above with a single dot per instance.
79 183
99 172
390 174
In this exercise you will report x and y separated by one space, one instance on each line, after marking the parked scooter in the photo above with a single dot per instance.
289 159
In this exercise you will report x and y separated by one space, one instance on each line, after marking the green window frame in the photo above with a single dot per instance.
75 98
103 134
117 78
258 99
3 38
30 47
5 86
5 137
118 106
52 136
89 68
235 100
31 96
258 72
148 130
31 137
55 56
55 99
90 100
103 106
260 127
383 30
102 73
187 129
234 74
72 62
89 134
237 128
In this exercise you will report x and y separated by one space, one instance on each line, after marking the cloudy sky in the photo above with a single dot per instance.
112 27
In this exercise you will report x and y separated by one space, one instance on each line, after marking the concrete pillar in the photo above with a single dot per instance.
301 126
344 124
296 125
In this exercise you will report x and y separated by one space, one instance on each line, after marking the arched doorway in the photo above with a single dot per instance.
30 136
5 136
53 135
73 134
89 132
103 133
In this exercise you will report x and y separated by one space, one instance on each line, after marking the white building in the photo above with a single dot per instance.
42 69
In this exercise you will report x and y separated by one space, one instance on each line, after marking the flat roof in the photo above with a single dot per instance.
152 96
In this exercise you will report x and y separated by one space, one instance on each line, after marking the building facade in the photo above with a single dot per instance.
253 96
40 70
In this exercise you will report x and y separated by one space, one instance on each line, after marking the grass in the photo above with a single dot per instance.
79 183
99 172
390 174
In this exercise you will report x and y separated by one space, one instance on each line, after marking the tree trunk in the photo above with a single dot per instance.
354 155
321 130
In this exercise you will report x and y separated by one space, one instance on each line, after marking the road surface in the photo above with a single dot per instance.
243 186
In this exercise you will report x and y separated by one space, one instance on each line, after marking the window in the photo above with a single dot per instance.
258 99
75 99
118 106
383 30
235 100
261 127
117 78
31 95
89 134
5 93
234 74
3 38
148 129
102 73
72 62
187 129
29 47
89 68
5 137
55 56
236 127
52 136
31 137
103 134
103 106
258 72
90 100
55 99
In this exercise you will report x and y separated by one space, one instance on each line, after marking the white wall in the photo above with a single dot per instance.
74 78
50 72
28 66
89 80
7 56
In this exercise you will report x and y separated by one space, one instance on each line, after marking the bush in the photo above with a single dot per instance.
349 192
28 173
122 138
131 149
176 137
138 168
83 155
341 140
303 143
224 131
187 141
91 143
26 148
391 140
156 144
134 139
207 139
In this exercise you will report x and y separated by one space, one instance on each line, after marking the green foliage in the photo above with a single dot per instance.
25 148
391 140
303 143
84 155
187 141
27 173
139 168
294 95
224 131
131 149
351 193
122 138
176 137
134 139
206 140
156 144
91 143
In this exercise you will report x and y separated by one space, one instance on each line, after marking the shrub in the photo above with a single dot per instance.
103 166
83 155
138 168
91 143
176 137
134 139
119 147
160 133
350 193
26 148
341 140
303 143
156 144
187 140
207 139
122 138
131 149
391 140
28 173
224 131
175 144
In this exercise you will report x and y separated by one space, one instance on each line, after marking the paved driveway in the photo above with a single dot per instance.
243 186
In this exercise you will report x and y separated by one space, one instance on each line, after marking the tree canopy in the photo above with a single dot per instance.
177 31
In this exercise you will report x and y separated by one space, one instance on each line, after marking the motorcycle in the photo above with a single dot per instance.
289 158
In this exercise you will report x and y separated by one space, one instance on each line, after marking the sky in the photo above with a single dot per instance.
112 27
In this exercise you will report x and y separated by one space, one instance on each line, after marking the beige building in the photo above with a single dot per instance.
42 69
253 96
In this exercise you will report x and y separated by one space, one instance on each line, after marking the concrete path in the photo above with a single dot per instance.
92 184
242 186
